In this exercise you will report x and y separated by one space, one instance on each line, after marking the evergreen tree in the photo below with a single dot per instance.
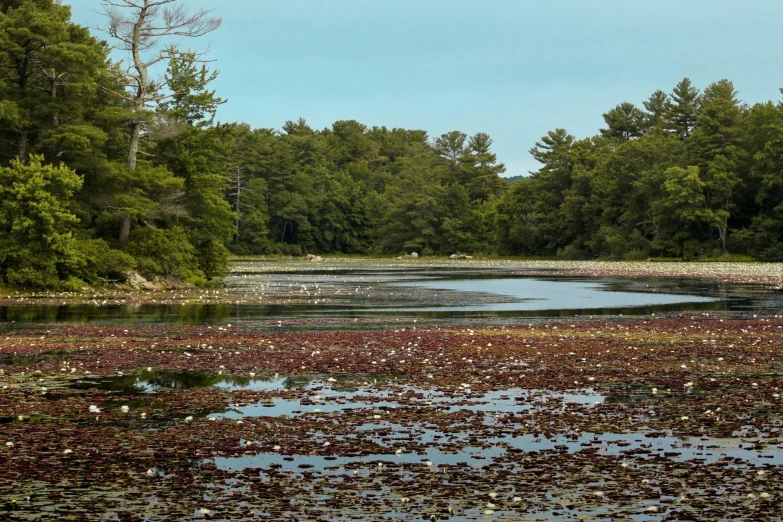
657 107
682 109
624 122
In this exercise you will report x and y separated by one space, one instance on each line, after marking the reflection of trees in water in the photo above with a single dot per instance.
299 381
22 360
34 313
119 315
179 380
120 383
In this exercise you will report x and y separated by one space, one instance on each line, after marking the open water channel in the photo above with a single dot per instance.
374 296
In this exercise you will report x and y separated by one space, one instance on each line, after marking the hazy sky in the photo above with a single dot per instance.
514 69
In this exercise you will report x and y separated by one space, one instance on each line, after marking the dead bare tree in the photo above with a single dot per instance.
141 26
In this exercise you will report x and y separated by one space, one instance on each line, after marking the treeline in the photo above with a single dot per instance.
105 171
689 175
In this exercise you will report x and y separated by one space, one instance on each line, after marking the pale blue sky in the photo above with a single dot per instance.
514 69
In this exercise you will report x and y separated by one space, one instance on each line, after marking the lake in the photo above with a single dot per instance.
369 296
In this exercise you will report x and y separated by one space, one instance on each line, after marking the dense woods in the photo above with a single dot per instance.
104 171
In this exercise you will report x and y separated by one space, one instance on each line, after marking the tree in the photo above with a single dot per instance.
412 209
624 122
198 153
451 147
657 107
190 102
717 144
682 109
682 212
139 26
37 248
480 169
47 66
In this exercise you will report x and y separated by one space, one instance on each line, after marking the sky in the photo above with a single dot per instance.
514 69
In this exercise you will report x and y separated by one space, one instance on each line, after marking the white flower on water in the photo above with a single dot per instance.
125 408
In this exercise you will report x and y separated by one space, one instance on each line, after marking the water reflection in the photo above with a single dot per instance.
372 297
153 381
498 450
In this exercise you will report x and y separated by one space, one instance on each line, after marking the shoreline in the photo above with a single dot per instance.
769 275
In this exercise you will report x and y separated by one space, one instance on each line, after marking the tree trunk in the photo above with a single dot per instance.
21 145
135 137
124 232
53 92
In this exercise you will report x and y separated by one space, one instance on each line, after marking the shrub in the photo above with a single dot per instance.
164 252
99 263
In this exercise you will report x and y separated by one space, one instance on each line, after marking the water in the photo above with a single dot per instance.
365 296
386 411
530 293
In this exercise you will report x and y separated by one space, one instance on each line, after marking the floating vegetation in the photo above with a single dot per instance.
674 416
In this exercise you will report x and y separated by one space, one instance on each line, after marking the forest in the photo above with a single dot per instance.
106 169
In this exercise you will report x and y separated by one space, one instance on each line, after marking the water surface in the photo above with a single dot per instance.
371 296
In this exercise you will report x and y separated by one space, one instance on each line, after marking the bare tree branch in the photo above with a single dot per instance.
140 26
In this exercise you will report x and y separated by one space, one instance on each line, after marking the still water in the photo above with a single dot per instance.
326 296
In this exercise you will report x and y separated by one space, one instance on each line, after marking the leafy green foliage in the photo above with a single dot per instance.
97 181
167 252
36 244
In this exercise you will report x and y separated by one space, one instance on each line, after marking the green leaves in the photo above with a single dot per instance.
36 242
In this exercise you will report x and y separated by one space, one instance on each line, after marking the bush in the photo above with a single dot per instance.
99 263
36 244
572 253
164 252
213 258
